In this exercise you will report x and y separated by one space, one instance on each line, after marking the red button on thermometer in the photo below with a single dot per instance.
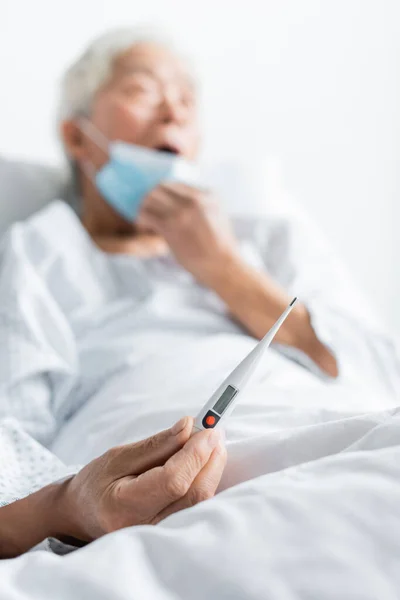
222 402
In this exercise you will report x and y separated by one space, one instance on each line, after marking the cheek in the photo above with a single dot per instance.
126 122
117 120
131 123
195 141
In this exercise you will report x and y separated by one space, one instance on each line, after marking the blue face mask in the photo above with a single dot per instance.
133 171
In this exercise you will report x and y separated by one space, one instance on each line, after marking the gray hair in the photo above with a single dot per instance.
91 70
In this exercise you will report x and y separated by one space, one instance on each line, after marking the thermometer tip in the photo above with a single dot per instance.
293 301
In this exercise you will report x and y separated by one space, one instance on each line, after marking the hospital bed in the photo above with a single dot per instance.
327 527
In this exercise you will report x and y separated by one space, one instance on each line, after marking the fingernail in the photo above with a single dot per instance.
179 426
216 436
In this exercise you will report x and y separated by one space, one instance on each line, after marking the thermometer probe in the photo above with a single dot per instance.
223 401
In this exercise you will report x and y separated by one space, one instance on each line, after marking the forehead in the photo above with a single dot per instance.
155 60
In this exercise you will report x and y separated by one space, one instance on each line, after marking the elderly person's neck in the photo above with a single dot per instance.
110 232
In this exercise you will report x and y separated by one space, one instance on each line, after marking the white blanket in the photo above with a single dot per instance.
104 350
326 530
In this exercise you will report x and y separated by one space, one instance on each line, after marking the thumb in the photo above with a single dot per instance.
154 451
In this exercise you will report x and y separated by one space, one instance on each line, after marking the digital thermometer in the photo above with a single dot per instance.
223 401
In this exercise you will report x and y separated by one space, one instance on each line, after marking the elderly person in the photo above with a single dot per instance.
106 318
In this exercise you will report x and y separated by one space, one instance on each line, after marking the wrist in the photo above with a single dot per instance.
30 520
64 521
52 509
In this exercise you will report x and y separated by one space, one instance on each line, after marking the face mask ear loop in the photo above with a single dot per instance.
94 134
89 169
99 139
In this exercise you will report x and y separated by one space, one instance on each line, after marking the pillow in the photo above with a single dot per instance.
27 187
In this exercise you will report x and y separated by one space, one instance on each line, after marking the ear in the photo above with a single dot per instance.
74 139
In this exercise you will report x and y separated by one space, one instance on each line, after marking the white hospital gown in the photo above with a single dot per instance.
25 465
66 308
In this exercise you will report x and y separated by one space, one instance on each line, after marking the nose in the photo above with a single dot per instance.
172 107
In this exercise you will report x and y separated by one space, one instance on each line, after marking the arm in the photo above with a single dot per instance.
136 484
333 332
203 243
27 491
27 522
256 301
36 370
38 349
36 374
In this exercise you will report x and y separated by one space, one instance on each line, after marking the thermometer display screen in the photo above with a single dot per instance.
225 399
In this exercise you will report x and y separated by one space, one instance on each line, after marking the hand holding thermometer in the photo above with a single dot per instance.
222 402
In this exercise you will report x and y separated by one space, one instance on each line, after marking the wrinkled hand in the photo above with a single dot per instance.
192 223
144 482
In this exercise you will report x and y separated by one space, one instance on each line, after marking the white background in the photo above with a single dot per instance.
312 84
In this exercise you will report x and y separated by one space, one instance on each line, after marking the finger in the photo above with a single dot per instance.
161 486
182 190
148 221
161 208
204 486
136 458
160 203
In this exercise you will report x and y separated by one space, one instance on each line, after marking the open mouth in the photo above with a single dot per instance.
167 148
